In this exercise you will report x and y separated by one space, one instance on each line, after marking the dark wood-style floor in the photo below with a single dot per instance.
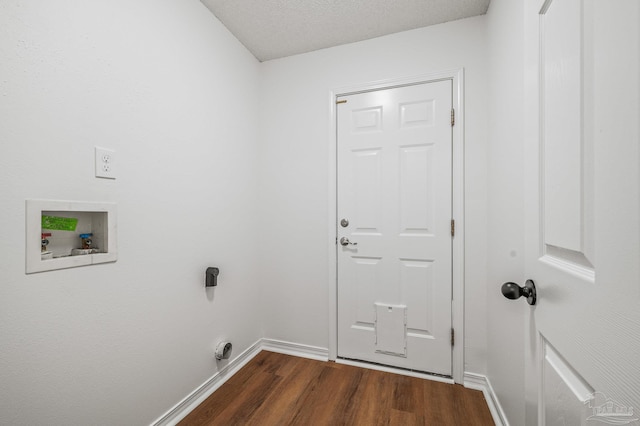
277 389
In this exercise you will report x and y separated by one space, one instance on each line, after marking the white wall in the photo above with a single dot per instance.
505 245
174 94
294 169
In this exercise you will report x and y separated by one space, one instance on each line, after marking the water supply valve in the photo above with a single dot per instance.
44 242
86 245
86 241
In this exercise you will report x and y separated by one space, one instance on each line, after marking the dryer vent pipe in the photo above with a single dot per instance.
223 350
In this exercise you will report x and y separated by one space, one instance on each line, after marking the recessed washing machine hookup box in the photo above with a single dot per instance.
66 234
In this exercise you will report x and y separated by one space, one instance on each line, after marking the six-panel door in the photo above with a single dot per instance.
394 189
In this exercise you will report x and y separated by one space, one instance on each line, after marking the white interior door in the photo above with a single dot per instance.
582 191
394 212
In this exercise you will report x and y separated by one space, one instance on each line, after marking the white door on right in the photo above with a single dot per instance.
583 224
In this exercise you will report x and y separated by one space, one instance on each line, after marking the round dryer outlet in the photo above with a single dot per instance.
223 350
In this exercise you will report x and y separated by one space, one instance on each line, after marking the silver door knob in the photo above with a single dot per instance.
345 242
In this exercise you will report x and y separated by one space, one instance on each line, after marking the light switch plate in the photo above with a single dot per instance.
105 163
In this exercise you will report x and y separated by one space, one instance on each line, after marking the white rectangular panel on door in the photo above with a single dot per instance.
391 329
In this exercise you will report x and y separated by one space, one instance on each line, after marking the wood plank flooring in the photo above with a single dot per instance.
277 389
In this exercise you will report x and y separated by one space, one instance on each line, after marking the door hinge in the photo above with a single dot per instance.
453 227
344 101
453 117
453 337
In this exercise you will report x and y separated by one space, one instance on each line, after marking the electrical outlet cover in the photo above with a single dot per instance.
105 163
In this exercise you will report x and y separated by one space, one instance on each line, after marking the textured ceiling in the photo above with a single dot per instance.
273 29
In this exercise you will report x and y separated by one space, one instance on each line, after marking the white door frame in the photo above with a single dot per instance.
457 315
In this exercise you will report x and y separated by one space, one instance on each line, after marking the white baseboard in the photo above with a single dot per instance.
195 398
295 349
482 383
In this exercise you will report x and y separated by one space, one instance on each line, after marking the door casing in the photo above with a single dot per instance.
457 320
